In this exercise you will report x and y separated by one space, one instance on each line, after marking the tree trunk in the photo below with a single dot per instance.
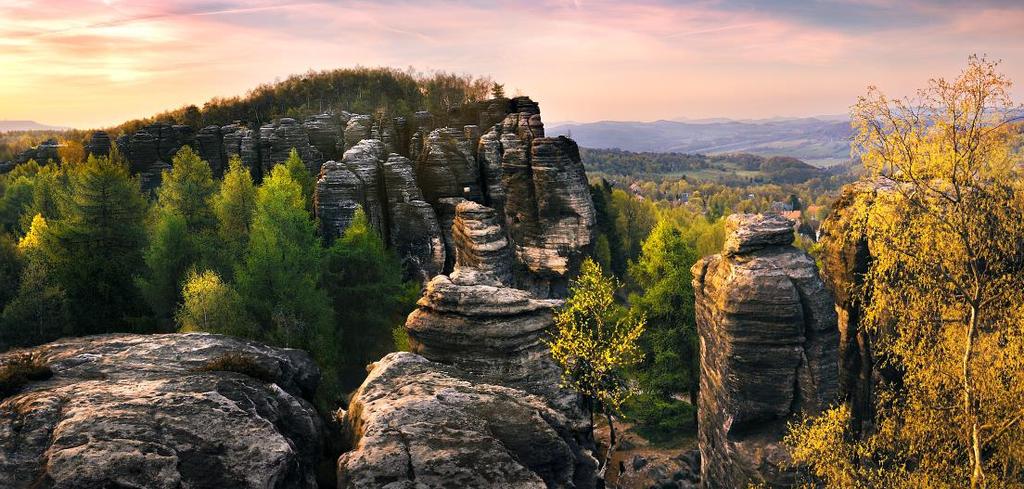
977 471
611 447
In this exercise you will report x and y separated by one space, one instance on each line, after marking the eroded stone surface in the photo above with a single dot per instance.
416 423
768 346
141 411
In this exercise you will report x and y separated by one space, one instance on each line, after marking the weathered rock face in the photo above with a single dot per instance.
768 343
447 167
326 133
145 411
357 129
244 142
210 145
413 229
552 218
416 423
845 260
474 320
99 144
277 140
42 153
339 193
365 160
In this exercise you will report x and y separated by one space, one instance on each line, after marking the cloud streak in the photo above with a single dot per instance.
94 63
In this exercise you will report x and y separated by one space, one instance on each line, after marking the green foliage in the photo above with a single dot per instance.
301 175
607 230
187 188
11 265
634 220
660 419
279 276
39 312
95 248
213 306
595 340
669 344
233 207
359 90
364 281
181 235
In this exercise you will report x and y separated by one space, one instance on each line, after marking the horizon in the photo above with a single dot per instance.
99 63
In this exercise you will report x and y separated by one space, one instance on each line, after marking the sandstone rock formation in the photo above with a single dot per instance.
416 423
365 160
357 129
474 320
277 139
326 133
339 193
482 406
41 153
162 411
244 142
99 144
845 260
768 343
413 232
491 152
210 145
550 213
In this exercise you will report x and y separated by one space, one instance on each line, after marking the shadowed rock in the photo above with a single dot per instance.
99 144
416 423
845 259
413 229
210 145
278 138
768 344
153 411
365 160
244 142
339 193
357 129
326 133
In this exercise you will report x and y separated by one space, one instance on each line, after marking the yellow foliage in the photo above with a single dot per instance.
944 295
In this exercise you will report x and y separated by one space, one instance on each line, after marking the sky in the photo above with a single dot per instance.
85 63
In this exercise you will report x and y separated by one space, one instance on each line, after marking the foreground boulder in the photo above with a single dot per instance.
768 343
161 411
418 424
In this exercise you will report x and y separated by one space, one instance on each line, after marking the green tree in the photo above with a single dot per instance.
95 248
233 207
634 220
209 304
186 189
364 281
665 297
279 276
301 175
181 235
11 265
595 341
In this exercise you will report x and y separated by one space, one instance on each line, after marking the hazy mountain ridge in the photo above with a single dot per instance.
821 141
27 126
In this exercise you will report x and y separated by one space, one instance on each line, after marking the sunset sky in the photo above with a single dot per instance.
96 63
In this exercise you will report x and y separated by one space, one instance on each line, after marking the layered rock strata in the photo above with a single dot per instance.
339 194
413 232
277 139
210 145
475 321
768 343
162 411
327 134
416 423
482 406
365 160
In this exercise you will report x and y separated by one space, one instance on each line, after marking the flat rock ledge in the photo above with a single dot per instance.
162 411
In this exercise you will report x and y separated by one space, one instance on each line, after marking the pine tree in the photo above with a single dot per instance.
364 282
233 207
95 248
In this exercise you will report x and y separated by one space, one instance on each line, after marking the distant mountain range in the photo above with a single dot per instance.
27 126
821 141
